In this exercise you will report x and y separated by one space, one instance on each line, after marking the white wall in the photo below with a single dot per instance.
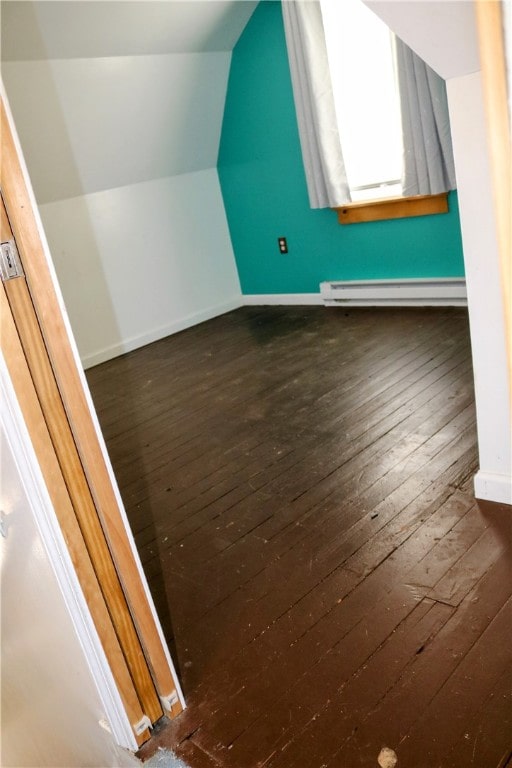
92 124
444 34
139 262
83 29
52 713
493 480
122 153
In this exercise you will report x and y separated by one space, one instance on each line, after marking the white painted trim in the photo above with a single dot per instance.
483 276
407 292
395 302
127 345
60 560
493 487
277 299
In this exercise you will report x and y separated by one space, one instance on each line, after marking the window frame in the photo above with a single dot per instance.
392 208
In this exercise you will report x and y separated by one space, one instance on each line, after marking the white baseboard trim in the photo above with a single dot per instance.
281 299
402 292
490 486
181 324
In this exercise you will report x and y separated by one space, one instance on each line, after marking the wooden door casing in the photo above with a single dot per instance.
72 429
36 424
47 391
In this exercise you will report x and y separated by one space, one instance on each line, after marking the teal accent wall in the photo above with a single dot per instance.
265 196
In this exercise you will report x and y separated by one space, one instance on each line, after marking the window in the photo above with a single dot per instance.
365 87
368 100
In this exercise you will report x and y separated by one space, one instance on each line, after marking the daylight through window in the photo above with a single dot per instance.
365 87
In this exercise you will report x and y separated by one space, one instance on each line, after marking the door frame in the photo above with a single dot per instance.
58 554
63 353
490 23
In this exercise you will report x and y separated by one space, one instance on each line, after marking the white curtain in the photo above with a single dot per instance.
428 155
314 104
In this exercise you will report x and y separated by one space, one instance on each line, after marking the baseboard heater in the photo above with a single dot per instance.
413 292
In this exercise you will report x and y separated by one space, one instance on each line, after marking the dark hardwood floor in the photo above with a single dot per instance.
299 484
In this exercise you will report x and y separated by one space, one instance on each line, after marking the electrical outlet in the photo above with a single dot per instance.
283 245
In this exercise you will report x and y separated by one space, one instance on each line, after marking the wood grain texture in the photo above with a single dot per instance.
5 227
49 314
491 34
299 482
394 208
69 461
59 495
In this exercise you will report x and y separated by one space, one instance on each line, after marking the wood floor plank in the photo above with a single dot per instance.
396 714
191 754
486 737
308 691
234 514
333 725
299 483
432 736
467 571
288 571
322 611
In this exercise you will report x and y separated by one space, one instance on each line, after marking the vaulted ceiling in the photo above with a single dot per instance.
442 33
62 29
115 92
112 93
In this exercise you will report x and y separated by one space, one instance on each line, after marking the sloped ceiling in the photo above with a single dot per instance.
108 94
65 29
442 33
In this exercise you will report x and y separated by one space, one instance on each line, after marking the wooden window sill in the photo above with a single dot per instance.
392 208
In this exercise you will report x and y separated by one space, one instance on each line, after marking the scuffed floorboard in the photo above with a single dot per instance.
299 483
